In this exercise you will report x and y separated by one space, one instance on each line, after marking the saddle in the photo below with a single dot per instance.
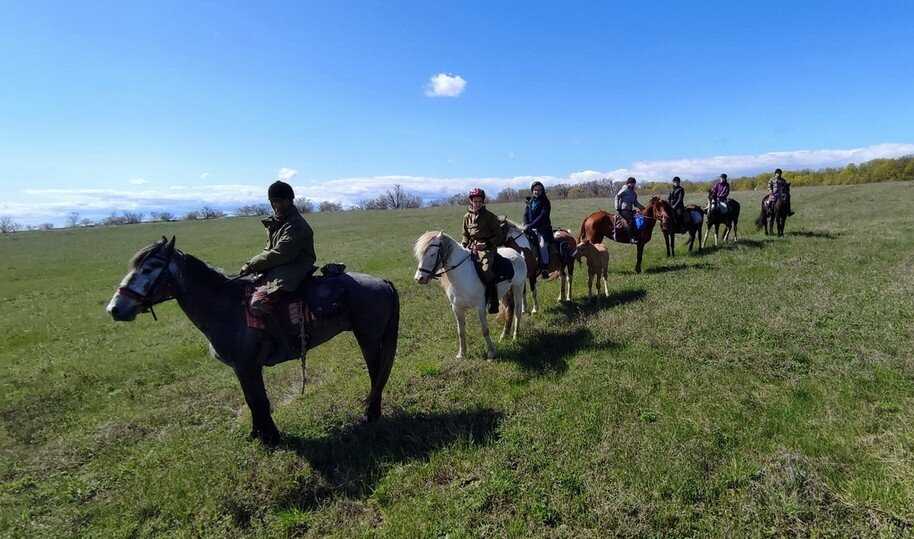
621 230
319 298
504 269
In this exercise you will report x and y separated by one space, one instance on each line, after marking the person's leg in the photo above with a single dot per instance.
263 302
487 265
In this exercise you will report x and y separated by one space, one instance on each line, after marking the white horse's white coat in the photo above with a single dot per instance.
438 253
515 232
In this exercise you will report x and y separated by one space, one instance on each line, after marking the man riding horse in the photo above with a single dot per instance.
537 219
676 198
626 204
720 193
285 263
482 235
778 187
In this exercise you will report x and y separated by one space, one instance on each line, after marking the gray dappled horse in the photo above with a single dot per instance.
717 217
216 305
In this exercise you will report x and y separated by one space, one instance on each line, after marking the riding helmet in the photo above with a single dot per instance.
477 192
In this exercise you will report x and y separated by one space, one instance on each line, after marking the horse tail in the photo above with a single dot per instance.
506 308
583 226
389 338
760 222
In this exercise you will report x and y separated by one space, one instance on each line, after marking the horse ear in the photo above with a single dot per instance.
171 245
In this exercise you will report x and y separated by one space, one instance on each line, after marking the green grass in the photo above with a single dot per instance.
763 388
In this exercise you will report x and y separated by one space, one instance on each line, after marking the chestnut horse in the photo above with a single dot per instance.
670 223
600 224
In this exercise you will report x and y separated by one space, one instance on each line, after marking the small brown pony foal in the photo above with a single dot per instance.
597 265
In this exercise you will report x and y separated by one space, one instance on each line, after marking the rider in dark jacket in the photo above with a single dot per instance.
676 199
537 218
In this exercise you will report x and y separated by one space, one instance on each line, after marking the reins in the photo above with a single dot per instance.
435 275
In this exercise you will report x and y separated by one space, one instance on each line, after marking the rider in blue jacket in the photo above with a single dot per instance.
537 218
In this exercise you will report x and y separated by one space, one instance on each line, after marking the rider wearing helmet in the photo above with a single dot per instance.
676 198
483 235
288 258
626 204
537 218
778 186
720 193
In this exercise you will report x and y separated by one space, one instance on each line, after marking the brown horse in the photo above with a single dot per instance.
563 261
671 224
561 258
774 213
601 224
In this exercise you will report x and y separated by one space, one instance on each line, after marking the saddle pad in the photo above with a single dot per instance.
504 269
696 216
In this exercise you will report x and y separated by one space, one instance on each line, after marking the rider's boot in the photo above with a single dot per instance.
492 297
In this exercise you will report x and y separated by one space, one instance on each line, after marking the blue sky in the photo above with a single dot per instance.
107 106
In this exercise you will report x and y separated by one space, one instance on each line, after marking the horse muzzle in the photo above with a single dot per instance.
122 309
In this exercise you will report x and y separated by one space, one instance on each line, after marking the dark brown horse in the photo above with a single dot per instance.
601 224
671 224
773 214
561 258
717 217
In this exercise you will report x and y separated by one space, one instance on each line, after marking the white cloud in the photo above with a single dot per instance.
445 85
204 175
138 181
704 168
286 174
33 206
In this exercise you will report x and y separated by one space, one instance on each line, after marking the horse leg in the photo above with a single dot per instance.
569 271
460 315
255 394
536 304
605 282
518 314
666 242
735 227
707 233
561 284
484 324
590 277
673 244
640 255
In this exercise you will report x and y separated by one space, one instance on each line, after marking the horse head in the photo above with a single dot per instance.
149 281
432 250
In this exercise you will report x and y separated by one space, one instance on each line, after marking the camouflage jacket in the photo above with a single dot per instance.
288 257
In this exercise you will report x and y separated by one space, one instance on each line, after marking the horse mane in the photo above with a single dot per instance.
202 272
511 223
425 239
141 255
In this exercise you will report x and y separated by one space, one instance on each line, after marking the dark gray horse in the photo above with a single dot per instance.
774 213
215 304
717 217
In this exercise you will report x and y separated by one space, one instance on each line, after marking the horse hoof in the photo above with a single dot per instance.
490 354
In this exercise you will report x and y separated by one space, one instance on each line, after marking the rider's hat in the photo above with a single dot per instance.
723 176
477 192
676 179
281 190
631 180
778 171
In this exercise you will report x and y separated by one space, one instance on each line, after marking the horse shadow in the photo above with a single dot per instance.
349 461
679 267
547 351
589 306
826 235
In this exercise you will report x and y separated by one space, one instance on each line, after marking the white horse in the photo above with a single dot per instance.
440 256
514 232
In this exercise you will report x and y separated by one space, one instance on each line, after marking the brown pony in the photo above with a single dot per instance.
563 263
561 258
600 224
671 225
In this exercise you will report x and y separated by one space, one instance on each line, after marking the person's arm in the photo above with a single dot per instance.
466 233
287 249
619 201
536 220
638 204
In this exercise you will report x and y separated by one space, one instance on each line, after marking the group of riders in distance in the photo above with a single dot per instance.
277 308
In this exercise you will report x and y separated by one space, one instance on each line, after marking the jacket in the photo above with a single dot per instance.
537 215
288 258
627 200
677 198
482 226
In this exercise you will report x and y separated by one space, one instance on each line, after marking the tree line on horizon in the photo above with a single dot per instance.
397 197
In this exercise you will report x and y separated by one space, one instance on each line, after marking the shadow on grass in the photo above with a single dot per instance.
547 351
815 234
731 245
679 267
350 461
584 307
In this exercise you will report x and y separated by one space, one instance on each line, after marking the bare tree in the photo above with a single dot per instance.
304 205
254 209
86 222
192 215
46 226
330 206
8 226
72 219
397 198
206 212
508 194
162 216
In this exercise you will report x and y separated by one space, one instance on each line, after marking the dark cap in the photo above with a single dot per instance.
676 179
281 190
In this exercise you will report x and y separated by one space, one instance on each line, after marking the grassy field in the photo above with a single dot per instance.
763 388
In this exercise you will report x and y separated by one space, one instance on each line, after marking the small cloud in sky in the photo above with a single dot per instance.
445 85
138 181
512 155
286 174
204 175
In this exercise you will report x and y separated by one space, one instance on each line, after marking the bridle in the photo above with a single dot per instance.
150 296
439 261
